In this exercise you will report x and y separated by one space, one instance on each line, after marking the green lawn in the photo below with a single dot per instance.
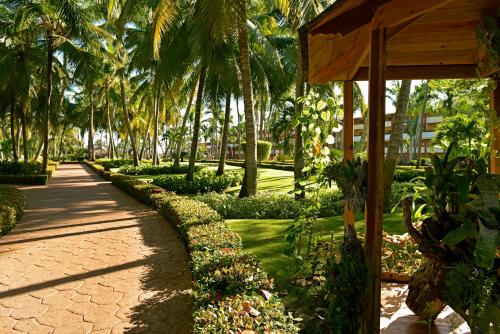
264 238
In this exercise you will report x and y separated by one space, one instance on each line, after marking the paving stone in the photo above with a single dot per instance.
90 252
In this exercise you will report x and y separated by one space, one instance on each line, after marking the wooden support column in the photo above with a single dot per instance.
348 127
375 196
495 130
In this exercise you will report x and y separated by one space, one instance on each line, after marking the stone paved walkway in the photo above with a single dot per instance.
87 258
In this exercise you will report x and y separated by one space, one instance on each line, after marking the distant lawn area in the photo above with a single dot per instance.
265 239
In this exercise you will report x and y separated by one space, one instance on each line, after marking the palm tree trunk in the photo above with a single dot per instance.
25 134
196 127
156 160
421 124
183 127
146 137
111 147
13 129
125 144
299 144
62 140
91 126
249 187
225 135
396 140
127 120
50 60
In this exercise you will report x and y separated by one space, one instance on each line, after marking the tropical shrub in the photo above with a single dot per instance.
226 271
184 212
460 213
148 169
203 182
140 190
251 312
12 203
212 237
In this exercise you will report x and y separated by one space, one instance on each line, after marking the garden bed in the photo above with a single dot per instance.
18 172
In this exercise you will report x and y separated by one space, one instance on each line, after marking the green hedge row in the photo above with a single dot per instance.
407 175
25 179
231 288
148 169
113 163
12 203
99 169
203 182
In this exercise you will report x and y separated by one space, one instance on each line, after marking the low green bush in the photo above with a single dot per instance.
251 312
149 169
184 212
40 180
407 175
20 168
203 182
212 237
226 271
113 163
12 203
135 188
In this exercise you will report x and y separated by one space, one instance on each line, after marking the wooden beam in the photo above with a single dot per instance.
350 20
423 72
375 195
495 130
348 130
397 11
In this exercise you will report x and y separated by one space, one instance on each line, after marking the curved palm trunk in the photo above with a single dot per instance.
196 126
13 129
183 127
249 187
61 142
24 133
91 126
225 136
50 60
299 144
396 140
156 160
421 124
131 135
111 148
146 138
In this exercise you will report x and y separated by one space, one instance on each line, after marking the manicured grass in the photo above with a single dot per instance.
264 238
272 180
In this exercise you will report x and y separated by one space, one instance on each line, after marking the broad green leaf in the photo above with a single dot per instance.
320 105
489 190
486 247
467 229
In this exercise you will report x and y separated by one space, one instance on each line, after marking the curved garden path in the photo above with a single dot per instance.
87 258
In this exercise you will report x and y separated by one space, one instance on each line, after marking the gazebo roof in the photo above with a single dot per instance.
427 39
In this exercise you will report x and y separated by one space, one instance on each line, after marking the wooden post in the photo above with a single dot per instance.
348 144
375 196
495 131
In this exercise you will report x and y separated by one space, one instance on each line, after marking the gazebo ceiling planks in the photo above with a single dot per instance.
422 36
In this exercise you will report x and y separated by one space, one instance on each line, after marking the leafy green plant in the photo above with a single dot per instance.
12 202
148 169
460 213
203 182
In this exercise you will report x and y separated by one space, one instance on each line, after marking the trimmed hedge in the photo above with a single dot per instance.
228 282
203 182
113 163
407 175
149 169
20 168
270 206
12 203
41 179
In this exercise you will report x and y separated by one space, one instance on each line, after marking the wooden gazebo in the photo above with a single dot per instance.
379 40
